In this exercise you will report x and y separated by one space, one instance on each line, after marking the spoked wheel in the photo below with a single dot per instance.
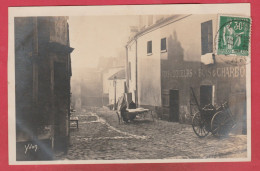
199 125
221 124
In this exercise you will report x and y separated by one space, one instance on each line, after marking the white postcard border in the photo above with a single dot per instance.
244 9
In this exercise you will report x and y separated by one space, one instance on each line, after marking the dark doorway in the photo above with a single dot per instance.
206 92
174 105
61 104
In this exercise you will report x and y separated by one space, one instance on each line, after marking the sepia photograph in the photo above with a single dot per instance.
169 83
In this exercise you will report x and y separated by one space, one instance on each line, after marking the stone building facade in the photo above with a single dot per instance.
42 77
165 59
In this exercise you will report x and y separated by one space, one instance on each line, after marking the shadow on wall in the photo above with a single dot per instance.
177 74
175 50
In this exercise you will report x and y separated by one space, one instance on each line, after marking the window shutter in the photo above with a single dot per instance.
206 37
163 44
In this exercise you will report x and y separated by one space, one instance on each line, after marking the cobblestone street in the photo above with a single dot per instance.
100 137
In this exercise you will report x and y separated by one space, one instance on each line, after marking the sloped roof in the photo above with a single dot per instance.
118 75
159 24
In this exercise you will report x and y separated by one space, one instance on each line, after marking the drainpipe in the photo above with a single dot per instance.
115 93
136 85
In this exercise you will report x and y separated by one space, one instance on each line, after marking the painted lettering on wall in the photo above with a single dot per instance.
185 73
221 72
30 147
228 72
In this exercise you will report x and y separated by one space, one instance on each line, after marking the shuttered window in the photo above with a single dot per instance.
149 47
206 37
163 44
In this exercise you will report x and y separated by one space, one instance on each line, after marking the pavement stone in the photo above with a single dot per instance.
101 137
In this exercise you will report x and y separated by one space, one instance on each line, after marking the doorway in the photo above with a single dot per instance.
174 105
206 95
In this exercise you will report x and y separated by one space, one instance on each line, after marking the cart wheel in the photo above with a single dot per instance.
199 126
221 124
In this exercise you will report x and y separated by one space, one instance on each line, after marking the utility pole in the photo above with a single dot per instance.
127 70
115 93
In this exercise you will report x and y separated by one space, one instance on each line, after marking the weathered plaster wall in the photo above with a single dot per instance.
181 62
180 67
148 70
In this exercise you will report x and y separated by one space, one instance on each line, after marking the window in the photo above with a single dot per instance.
206 37
163 44
129 65
149 47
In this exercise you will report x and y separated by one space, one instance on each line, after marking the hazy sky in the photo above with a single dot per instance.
97 36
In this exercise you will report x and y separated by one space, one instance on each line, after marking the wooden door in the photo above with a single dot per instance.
174 105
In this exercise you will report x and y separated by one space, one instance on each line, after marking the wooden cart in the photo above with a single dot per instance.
219 121
130 114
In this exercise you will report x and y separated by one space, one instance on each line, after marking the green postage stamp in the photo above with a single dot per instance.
233 36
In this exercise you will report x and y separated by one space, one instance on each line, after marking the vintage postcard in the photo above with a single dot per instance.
129 84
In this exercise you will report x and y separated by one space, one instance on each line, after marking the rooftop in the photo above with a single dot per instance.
159 24
118 75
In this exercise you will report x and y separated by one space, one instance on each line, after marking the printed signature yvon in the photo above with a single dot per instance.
30 147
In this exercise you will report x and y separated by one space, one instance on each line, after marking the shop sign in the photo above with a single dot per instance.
221 72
